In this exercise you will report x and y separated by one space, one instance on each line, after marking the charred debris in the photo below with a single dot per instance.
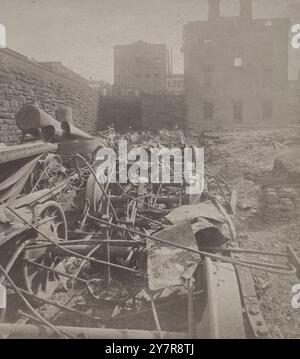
84 259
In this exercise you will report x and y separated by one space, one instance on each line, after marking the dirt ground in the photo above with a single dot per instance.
255 151
275 291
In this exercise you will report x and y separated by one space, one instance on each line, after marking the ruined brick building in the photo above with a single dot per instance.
140 68
236 70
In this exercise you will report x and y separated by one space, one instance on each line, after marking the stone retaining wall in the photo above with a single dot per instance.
23 81
280 203
147 112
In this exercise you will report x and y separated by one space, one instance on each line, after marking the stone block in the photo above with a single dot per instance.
271 197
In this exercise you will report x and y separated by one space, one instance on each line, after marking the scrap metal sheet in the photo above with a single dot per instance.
190 212
170 266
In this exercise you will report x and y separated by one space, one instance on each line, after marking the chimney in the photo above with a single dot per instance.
246 10
213 10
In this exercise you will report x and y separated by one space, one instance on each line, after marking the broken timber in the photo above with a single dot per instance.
12 153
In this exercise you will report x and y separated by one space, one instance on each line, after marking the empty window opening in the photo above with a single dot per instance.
238 112
238 62
267 109
208 111
207 48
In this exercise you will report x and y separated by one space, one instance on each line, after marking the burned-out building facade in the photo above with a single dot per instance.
236 70
140 68
294 101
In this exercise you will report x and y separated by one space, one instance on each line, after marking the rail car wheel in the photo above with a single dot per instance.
220 305
37 280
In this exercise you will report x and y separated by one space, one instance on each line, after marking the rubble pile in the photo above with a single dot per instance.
281 189
280 204
109 255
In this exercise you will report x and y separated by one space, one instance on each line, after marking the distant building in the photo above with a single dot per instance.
175 84
103 87
61 69
236 70
140 68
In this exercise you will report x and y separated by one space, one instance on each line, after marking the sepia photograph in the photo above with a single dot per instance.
150 172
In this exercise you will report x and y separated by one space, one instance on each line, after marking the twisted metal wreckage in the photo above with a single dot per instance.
175 250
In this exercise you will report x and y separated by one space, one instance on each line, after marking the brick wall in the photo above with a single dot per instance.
165 111
23 81
119 112
147 112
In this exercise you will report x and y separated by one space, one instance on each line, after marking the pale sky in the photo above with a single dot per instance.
81 33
